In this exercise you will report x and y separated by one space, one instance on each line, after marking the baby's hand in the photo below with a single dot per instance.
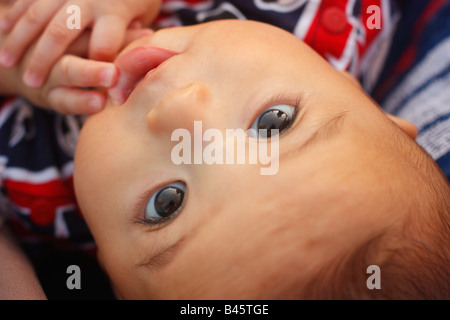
72 82
63 92
27 19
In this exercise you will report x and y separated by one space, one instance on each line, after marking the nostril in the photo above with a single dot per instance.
133 66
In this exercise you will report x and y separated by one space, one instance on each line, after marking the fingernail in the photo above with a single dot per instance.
4 25
107 77
33 80
6 59
95 104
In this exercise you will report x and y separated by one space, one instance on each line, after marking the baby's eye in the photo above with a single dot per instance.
279 117
166 203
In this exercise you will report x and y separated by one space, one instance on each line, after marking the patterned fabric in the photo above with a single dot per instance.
340 30
36 166
415 84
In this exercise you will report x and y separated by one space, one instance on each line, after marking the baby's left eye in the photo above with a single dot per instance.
166 203
279 117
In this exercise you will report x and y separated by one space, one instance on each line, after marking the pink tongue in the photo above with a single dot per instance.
133 66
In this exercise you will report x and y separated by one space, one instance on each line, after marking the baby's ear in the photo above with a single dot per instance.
408 127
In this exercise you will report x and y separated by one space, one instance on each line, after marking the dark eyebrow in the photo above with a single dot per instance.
330 128
162 258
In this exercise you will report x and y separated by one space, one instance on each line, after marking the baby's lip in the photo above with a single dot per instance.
133 66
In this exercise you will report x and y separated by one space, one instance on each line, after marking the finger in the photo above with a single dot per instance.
135 34
13 14
53 43
80 45
107 37
26 30
75 101
78 72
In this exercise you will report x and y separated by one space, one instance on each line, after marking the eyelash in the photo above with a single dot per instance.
140 208
281 99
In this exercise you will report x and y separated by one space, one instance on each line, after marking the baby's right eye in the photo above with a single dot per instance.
166 203
277 118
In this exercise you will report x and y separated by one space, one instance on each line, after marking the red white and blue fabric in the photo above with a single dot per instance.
36 170
415 83
336 29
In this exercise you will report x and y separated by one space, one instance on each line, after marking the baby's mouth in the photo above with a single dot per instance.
133 66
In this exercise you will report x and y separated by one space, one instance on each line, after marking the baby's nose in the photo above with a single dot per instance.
180 108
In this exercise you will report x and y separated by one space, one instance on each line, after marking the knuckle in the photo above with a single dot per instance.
57 34
33 16
65 68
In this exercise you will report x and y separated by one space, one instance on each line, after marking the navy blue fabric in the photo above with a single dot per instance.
423 32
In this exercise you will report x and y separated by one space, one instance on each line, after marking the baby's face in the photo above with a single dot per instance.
226 230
